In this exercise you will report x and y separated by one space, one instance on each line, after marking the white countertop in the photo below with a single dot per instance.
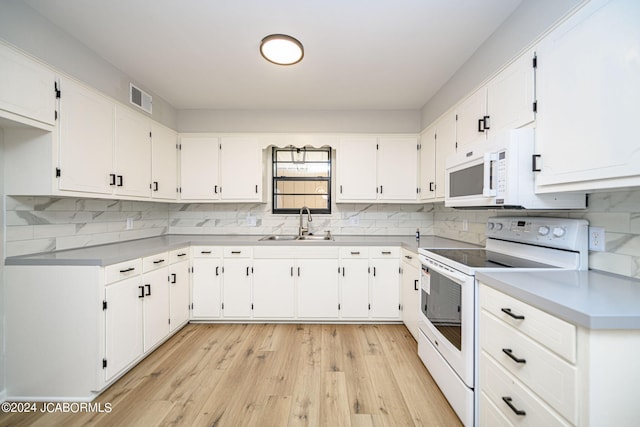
592 299
118 252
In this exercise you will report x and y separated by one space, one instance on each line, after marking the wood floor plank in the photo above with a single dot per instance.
271 375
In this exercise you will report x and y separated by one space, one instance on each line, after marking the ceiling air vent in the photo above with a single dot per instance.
140 98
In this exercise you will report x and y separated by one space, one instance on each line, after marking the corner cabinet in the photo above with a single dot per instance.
377 169
90 323
586 125
437 143
227 168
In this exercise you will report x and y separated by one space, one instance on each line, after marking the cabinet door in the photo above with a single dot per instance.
356 169
273 288
398 169
510 95
470 126
132 153
241 169
318 288
26 88
236 288
156 306
428 163
86 139
164 163
178 294
445 147
385 289
586 130
410 297
354 288
123 324
205 287
199 168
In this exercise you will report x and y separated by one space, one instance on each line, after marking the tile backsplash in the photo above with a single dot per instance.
38 224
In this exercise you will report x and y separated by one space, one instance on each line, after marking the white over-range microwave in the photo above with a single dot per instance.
501 174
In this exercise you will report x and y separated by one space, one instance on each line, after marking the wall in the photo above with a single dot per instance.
617 212
529 21
370 121
2 255
27 30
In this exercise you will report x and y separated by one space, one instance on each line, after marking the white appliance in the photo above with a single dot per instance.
448 324
501 174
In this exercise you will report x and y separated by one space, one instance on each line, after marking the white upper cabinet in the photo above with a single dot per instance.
199 168
27 90
588 86
445 147
428 164
132 165
377 169
86 139
241 169
221 168
505 102
398 168
356 169
164 163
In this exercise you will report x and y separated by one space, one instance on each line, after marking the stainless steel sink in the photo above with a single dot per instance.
279 237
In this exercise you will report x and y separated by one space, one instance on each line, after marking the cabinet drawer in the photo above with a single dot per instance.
206 251
238 252
384 252
122 270
555 334
355 252
549 376
410 258
178 255
490 415
154 262
497 384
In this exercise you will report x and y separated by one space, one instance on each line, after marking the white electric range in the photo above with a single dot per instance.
449 294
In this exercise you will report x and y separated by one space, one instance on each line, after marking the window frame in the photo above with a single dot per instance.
275 179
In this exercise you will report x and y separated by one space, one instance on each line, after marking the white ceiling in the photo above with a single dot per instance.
359 54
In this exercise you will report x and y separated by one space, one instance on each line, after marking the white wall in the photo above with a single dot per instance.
2 253
529 21
358 121
27 30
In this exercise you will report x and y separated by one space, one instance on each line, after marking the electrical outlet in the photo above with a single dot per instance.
596 239
129 225
465 225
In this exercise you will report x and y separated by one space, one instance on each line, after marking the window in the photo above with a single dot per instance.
301 177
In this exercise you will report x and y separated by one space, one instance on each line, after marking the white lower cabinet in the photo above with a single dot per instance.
537 369
318 288
123 325
155 299
273 288
354 283
410 291
384 292
206 282
236 288
179 288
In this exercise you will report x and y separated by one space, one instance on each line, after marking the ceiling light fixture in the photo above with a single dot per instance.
281 49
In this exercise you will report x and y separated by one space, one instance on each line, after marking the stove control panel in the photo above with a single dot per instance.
561 233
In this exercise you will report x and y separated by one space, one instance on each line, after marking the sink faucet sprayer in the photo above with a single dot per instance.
301 230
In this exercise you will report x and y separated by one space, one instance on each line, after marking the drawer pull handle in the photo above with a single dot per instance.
386 252
508 312
205 252
181 255
126 270
160 261
509 353
408 257
355 253
515 410
236 252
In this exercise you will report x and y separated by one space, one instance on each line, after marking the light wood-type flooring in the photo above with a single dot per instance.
271 375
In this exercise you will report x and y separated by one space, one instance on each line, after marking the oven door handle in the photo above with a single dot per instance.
488 187
455 276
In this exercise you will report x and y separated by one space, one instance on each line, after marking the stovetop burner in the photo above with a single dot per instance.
482 258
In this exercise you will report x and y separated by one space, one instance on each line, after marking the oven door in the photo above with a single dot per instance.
447 316
471 179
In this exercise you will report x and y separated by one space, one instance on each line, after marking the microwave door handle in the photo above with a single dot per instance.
488 187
